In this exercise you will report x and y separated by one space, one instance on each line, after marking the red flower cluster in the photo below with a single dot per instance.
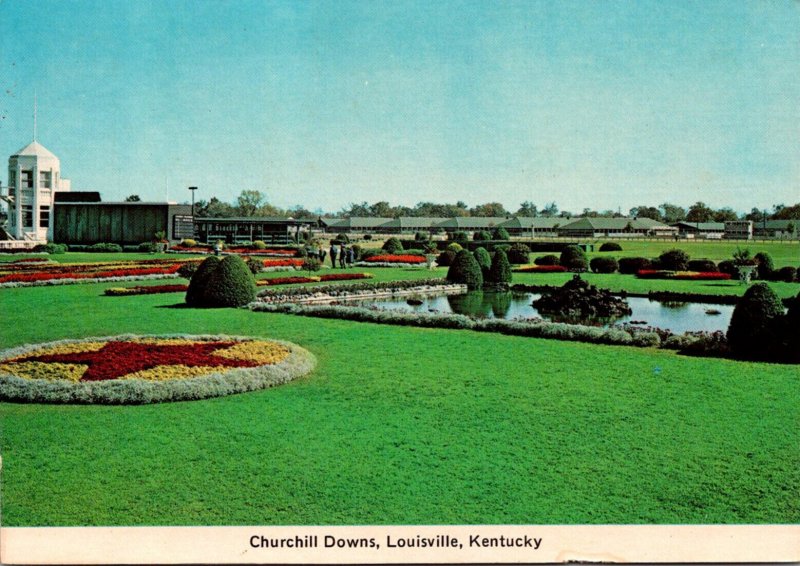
682 275
285 280
117 359
30 260
86 271
344 276
283 262
396 258
541 269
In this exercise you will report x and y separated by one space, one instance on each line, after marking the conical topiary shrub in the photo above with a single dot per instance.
574 259
500 272
199 280
465 269
484 260
754 328
230 285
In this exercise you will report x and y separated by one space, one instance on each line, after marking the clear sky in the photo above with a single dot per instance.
594 104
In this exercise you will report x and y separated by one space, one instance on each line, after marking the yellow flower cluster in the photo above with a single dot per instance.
69 348
258 351
42 370
163 373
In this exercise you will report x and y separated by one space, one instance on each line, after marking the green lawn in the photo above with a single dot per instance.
402 425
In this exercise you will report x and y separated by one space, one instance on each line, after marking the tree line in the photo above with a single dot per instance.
251 203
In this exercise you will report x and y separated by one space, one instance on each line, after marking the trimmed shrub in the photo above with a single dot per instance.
753 330
702 265
502 247
392 246
786 274
610 247
259 245
630 265
342 239
484 260
311 264
230 285
604 265
519 254
465 269
187 269
500 271
255 265
147 248
367 237
500 233
460 237
422 236
766 267
549 259
674 260
199 280
104 247
454 247
51 248
446 258
574 259
481 236
727 266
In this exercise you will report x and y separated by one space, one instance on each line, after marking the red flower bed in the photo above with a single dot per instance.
283 262
31 260
285 280
146 290
396 258
86 272
652 274
682 275
344 276
541 269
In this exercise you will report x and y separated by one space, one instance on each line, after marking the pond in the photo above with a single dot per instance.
677 317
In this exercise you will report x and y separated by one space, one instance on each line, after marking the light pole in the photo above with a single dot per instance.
193 189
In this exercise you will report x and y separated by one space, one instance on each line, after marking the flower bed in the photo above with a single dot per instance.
394 258
353 290
239 250
147 369
288 262
682 275
539 269
145 290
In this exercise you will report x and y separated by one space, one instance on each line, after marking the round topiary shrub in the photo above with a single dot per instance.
259 245
610 247
230 285
454 247
393 246
460 237
446 258
766 267
465 269
674 260
484 260
342 239
500 271
604 265
197 285
500 234
481 236
549 259
422 236
753 331
704 265
727 266
630 265
786 274
519 254
574 259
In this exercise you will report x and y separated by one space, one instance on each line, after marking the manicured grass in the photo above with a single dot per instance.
402 425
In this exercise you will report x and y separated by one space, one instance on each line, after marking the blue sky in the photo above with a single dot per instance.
586 103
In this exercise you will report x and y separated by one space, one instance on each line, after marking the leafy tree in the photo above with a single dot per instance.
672 213
550 210
489 209
217 209
725 214
647 212
699 212
248 202
787 212
527 208
133 198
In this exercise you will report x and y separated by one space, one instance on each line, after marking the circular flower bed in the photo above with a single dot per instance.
133 369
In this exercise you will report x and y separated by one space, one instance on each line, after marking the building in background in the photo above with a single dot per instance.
34 178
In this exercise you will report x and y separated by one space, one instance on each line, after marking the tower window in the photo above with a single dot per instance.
27 179
44 179
27 216
44 217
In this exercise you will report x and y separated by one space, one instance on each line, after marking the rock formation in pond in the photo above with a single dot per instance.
579 300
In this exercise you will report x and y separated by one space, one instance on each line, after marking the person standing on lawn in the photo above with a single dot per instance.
343 258
351 256
334 253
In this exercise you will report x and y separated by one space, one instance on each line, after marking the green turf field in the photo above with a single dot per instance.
402 425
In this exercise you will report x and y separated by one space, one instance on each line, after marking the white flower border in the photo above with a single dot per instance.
139 391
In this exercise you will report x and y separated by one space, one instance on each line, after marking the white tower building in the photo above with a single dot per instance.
34 175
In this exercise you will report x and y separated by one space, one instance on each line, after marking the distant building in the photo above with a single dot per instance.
270 230
34 178
739 230
603 227
707 230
